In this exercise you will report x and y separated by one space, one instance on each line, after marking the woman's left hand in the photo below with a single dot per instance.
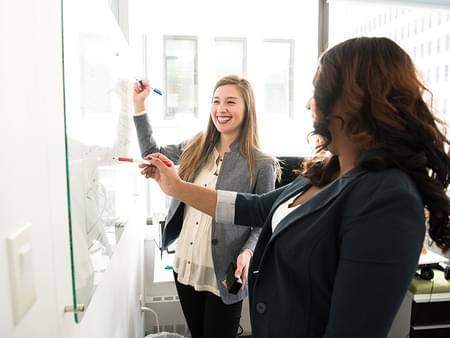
242 265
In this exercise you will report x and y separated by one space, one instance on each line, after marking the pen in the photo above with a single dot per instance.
156 90
139 161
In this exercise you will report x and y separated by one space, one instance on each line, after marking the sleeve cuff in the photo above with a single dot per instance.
249 250
225 207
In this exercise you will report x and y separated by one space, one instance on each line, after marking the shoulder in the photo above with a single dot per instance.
386 182
267 167
389 178
264 160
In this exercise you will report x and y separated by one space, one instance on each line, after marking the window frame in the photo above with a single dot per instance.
193 38
291 80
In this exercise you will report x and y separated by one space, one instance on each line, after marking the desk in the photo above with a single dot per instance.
425 311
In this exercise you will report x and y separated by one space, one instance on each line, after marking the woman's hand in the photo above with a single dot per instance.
162 170
242 265
140 93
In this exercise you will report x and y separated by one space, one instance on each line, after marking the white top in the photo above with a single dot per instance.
283 210
193 257
430 257
225 208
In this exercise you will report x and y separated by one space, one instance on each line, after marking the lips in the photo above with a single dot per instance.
223 119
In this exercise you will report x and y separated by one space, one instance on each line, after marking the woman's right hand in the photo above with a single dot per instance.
140 93
162 170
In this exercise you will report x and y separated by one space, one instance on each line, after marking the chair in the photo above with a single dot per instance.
288 164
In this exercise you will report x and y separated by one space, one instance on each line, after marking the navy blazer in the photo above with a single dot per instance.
340 264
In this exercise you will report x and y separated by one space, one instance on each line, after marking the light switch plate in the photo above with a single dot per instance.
20 255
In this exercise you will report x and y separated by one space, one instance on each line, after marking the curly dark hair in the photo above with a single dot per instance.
375 85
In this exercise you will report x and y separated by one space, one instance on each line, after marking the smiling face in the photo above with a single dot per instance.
228 110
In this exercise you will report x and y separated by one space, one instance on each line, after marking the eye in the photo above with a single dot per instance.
231 102
215 101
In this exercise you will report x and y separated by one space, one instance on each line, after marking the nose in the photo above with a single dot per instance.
221 107
308 103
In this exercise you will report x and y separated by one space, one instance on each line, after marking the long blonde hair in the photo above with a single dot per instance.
197 151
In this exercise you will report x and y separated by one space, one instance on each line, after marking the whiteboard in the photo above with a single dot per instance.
101 194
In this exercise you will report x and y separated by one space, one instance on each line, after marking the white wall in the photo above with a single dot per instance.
32 185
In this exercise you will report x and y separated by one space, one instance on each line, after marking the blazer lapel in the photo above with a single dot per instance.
317 202
298 185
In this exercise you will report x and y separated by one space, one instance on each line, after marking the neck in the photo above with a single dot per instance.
346 163
348 152
224 143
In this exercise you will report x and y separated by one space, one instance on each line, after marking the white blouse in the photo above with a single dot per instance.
283 210
193 257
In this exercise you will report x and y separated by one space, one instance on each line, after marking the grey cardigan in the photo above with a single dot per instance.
226 242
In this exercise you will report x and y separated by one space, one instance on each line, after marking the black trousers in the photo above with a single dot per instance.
207 316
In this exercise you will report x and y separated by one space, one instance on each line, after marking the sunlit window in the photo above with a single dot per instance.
181 75
278 76
432 58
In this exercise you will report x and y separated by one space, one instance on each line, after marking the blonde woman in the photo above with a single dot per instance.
225 156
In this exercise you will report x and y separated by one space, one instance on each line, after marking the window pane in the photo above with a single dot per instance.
230 57
280 89
277 77
181 76
427 43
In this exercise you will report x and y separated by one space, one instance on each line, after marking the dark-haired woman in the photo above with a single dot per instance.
340 244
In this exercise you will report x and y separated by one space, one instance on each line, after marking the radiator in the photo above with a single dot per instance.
170 315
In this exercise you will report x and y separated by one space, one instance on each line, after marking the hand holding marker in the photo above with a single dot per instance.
139 161
156 90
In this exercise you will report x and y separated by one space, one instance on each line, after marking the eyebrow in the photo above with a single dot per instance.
228 97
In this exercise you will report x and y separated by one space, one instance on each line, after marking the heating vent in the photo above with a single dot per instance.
158 299
171 318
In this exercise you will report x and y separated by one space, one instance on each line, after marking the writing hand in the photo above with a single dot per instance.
140 92
161 169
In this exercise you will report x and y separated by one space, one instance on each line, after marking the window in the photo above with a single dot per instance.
431 59
231 56
180 56
278 76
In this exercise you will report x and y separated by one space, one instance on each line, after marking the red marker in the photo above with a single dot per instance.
135 160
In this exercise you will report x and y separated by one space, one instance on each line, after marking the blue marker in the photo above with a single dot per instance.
156 90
